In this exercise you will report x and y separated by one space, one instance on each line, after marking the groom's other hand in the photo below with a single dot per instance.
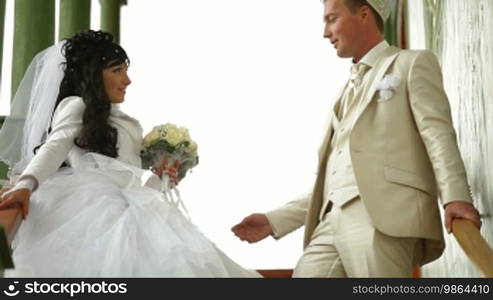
253 228
461 210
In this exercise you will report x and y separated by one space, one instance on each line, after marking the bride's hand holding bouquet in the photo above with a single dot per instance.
171 171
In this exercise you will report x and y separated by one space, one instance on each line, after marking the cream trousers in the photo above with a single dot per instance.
345 244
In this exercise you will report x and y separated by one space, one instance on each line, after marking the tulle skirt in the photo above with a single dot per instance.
99 220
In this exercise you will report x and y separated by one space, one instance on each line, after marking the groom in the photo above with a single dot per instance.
389 153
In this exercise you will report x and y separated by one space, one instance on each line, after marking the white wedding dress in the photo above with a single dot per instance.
101 217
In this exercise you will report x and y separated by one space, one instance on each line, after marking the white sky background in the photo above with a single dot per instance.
253 81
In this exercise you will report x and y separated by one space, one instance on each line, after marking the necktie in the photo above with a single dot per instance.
356 78
357 72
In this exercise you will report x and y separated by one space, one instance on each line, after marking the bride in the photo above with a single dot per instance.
89 208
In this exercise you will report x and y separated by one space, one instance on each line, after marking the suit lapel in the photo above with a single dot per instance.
378 73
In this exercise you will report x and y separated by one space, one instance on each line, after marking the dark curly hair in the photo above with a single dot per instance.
87 54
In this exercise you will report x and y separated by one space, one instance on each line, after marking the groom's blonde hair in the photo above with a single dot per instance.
354 5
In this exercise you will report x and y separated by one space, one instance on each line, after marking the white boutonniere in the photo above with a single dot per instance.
387 87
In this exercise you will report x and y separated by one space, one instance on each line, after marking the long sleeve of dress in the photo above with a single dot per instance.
66 125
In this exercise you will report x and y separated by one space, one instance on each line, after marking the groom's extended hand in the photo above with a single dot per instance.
253 228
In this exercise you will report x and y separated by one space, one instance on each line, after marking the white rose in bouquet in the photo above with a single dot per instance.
172 142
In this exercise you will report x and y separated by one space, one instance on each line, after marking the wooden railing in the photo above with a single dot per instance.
5 252
474 245
10 219
279 273
468 236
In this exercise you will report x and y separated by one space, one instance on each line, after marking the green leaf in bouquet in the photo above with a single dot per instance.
182 145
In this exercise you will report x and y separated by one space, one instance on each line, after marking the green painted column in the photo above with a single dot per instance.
433 10
75 16
2 26
110 16
391 26
34 30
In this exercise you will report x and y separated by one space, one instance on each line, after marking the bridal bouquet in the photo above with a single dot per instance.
172 143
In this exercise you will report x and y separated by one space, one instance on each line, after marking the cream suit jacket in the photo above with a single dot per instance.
404 154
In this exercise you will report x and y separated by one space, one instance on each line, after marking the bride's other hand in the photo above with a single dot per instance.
253 228
18 198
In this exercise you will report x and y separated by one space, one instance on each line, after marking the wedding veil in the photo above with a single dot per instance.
29 121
